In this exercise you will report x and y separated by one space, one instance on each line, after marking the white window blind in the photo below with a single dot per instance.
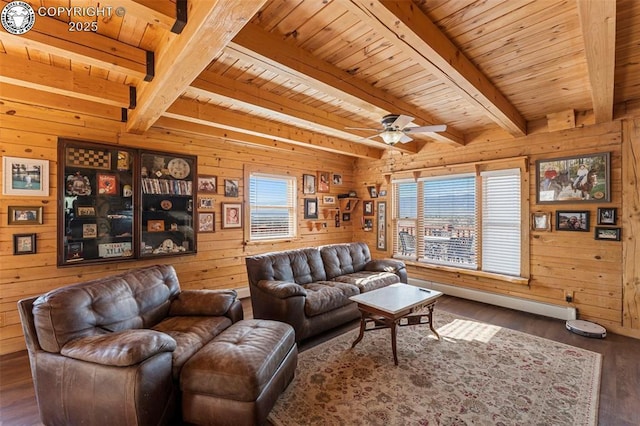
406 217
272 204
449 220
501 222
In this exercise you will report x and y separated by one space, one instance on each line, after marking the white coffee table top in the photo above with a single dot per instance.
396 297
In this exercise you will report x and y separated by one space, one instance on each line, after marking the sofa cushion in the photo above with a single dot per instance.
203 302
341 259
367 281
325 296
301 266
191 333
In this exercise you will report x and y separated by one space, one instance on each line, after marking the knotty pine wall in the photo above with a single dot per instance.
603 276
33 132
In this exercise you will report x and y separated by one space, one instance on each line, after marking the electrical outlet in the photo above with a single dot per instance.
568 296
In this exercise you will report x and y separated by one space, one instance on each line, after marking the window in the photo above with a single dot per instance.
470 220
272 205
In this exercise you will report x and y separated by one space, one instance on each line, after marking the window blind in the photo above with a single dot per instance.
501 222
406 215
272 204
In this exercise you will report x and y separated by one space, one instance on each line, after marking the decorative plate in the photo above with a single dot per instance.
179 168
166 204
78 185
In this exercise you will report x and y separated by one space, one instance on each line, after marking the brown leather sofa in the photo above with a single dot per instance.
110 351
309 288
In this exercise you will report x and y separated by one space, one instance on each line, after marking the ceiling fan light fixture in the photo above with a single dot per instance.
391 137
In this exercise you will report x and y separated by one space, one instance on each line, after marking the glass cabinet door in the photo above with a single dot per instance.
96 187
167 204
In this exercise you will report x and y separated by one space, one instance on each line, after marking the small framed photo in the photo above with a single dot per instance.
25 215
205 203
308 184
85 211
207 184
107 184
373 192
155 225
572 220
336 179
607 215
346 217
323 181
367 225
206 222
541 221
329 200
367 208
610 234
310 208
231 187
24 244
89 230
25 176
383 193
231 215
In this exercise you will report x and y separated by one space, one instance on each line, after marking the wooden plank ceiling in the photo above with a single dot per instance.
303 72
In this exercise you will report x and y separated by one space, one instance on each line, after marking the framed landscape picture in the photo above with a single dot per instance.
572 220
584 178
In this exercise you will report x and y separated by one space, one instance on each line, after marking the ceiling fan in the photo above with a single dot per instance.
397 127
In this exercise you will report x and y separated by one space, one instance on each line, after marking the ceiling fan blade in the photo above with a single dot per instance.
405 139
401 121
364 128
426 129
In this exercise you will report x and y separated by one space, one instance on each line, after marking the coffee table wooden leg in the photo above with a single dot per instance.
394 329
362 327
430 316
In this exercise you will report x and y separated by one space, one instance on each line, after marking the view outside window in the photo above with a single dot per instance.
272 202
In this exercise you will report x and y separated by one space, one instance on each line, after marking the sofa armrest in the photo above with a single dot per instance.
202 302
119 349
388 265
281 289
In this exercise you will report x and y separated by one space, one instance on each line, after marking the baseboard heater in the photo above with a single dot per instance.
531 306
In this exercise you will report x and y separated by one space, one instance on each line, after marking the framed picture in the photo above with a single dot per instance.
381 237
231 187
607 216
25 176
540 221
573 179
25 215
155 225
83 211
89 230
367 225
346 217
610 234
308 184
310 208
373 192
383 193
107 184
205 203
367 208
572 220
207 184
206 222
231 215
24 244
336 179
323 181
329 200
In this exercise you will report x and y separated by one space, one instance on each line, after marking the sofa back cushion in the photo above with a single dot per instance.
301 266
139 298
341 259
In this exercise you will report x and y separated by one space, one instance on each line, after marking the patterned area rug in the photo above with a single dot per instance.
477 374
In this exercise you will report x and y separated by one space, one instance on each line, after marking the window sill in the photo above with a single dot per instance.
463 271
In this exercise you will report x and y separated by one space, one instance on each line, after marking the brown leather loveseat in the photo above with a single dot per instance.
309 288
110 351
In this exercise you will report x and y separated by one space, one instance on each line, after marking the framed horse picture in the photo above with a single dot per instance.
583 178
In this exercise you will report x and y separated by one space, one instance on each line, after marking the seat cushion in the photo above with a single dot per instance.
191 333
367 281
325 296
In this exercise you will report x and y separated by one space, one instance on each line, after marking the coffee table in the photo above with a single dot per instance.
393 306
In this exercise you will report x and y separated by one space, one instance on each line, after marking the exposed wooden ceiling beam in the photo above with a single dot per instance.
164 14
275 54
224 89
181 58
35 75
423 41
53 37
211 115
598 22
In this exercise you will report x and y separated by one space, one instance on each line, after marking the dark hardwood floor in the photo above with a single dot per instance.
619 390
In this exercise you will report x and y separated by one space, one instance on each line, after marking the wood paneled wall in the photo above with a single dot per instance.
31 132
560 262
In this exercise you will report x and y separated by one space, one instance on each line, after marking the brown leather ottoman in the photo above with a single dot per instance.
237 377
